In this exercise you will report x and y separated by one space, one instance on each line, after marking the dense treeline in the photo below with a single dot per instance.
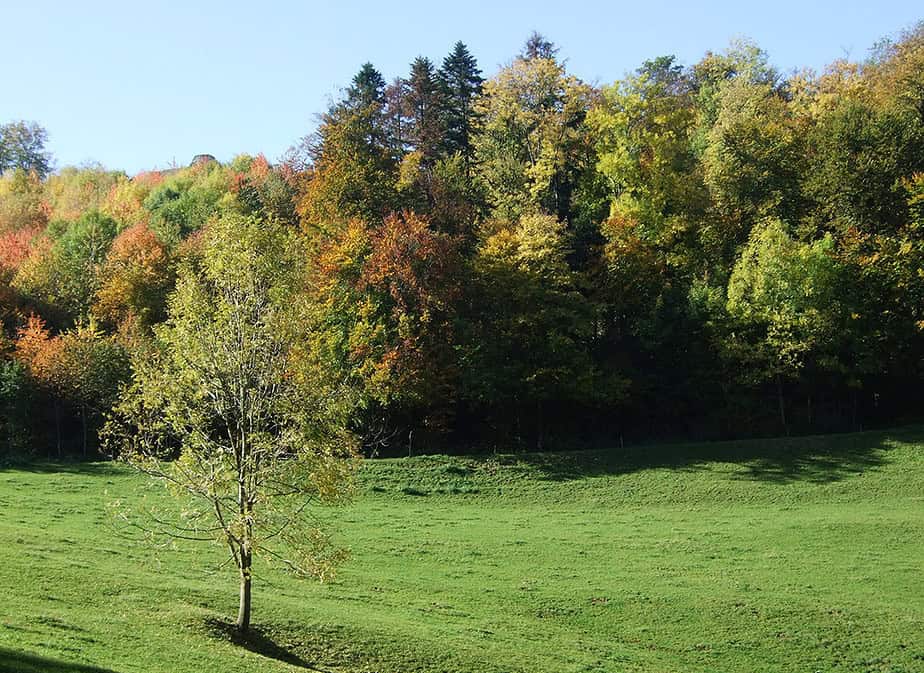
706 251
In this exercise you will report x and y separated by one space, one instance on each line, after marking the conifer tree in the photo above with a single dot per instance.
368 88
423 102
353 156
460 79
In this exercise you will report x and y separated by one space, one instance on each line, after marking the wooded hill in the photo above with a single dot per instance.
711 250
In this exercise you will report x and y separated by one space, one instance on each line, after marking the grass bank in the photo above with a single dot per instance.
801 554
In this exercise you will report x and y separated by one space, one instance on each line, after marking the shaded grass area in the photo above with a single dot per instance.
12 661
795 554
259 640
814 460
817 459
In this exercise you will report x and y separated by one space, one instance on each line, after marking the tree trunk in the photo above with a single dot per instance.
853 413
243 613
246 550
516 409
58 427
83 422
779 392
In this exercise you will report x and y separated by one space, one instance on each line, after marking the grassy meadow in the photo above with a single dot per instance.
782 555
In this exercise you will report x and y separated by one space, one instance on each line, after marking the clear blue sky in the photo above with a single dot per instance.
135 85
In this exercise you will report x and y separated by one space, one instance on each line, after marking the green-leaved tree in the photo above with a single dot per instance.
226 410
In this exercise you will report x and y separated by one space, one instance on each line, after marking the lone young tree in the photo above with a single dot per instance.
226 410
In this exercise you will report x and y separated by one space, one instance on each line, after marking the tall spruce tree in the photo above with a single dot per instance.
367 88
424 106
353 157
460 78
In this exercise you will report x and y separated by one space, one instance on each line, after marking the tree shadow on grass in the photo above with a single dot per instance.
99 467
12 661
816 459
258 641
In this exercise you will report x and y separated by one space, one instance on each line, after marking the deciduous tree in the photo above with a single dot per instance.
22 146
134 279
532 140
385 297
225 410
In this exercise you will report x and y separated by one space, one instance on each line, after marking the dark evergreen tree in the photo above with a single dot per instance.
424 107
368 88
460 78
353 156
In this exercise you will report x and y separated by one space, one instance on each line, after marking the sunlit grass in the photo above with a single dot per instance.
802 554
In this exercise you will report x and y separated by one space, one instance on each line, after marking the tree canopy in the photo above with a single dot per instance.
520 257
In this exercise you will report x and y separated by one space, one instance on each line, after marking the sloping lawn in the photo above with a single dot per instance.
786 555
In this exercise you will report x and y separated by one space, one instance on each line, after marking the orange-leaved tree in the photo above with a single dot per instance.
134 279
385 298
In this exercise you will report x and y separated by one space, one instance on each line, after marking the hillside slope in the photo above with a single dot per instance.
800 554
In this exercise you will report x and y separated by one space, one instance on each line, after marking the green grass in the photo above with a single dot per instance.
786 555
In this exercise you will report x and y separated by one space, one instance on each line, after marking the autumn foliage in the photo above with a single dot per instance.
386 295
134 279
525 259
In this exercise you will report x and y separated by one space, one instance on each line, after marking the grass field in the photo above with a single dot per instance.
785 555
